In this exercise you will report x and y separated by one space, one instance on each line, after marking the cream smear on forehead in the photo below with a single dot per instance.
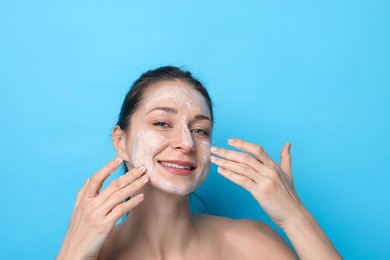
184 95
150 143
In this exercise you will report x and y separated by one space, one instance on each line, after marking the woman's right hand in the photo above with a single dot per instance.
95 214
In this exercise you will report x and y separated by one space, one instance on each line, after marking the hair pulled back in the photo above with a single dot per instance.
135 97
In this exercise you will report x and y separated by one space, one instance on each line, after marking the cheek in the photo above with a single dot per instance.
146 145
204 152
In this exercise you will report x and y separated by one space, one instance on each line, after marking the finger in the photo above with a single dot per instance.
123 208
98 178
121 182
237 168
256 150
285 159
243 158
81 193
240 180
119 196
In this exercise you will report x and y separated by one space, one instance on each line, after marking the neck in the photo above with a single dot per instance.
162 222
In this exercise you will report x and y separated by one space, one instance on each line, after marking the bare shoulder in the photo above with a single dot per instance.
248 239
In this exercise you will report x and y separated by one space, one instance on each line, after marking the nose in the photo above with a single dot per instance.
184 140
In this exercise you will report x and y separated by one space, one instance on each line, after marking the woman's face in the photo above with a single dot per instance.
170 134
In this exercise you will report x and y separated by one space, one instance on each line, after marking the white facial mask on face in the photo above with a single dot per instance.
151 144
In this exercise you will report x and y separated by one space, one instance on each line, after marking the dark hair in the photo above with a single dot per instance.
134 97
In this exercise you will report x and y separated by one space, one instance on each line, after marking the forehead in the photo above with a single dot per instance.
175 93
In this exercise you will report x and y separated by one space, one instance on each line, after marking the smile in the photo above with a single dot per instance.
178 167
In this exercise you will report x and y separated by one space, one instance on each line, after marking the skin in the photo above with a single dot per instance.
161 227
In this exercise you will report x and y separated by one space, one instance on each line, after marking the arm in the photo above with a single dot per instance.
272 186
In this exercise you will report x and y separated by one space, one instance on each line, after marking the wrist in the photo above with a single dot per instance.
301 219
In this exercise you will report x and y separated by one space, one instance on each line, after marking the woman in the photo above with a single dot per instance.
163 136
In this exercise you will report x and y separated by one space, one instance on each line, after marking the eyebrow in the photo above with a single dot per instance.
173 110
166 109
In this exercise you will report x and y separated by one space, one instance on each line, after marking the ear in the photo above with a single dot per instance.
119 142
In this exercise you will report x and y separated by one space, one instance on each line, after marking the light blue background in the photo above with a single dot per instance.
315 73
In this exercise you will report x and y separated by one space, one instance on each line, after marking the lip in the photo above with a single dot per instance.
177 171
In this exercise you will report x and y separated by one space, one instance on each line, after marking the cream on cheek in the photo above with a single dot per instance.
204 161
146 145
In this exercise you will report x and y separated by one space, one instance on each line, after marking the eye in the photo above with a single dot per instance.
161 124
200 131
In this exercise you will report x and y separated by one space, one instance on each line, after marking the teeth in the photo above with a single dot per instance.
174 165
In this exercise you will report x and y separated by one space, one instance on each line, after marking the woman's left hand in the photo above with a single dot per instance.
269 183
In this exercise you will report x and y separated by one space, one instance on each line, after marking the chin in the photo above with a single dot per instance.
177 185
172 189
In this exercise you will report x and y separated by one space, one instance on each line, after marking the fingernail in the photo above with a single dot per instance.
142 168
144 178
213 159
231 141
140 196
86 181
214 149
118 160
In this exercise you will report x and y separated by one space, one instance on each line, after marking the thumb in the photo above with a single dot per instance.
285 159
